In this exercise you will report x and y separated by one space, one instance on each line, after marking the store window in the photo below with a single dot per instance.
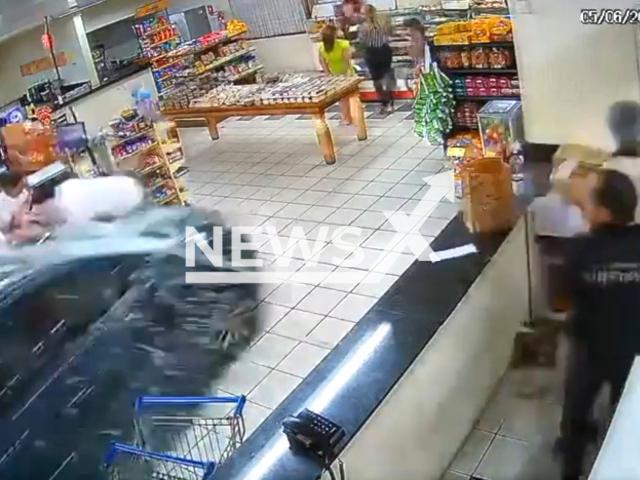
270 18
115 50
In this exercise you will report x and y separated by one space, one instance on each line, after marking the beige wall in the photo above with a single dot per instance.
571 73
27 47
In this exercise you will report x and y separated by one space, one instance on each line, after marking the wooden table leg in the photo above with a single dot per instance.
325 139
357 114
212 124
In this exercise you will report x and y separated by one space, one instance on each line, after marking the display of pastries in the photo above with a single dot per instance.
289 89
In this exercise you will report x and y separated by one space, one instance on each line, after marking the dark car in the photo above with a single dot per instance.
95 317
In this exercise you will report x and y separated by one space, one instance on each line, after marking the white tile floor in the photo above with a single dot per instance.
513 438
268 171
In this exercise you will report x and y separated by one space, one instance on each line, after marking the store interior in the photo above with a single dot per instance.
222 106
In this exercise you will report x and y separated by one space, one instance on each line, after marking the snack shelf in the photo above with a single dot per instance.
246 73
138 152
155 50
150 169
474 47
224 39
155 30
477 45
225 60
487 98
472 71
142 133
163 41
158 171
166 65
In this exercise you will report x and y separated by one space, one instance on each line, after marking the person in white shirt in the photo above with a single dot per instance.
82 200
75 201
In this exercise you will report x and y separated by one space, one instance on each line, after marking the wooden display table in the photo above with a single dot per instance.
214 115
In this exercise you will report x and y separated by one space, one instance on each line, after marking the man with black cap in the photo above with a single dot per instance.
604 284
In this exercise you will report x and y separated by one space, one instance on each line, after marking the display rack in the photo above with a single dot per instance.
155 151
158 38
482 67
198 66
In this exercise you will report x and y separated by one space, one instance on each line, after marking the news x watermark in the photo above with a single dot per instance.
354 266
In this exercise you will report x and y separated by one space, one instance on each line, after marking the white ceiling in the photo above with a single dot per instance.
19 15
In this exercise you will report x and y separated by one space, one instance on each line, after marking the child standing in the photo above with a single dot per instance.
335 58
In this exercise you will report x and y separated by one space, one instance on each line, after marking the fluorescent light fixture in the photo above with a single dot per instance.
328 391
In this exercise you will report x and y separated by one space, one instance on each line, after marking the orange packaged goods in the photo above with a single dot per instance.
500 58
30 146
480 30
479 58
488 202
500 29
453 58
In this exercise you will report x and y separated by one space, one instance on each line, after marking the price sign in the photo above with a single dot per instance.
152 8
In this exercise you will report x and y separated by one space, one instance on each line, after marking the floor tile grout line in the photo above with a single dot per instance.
493 438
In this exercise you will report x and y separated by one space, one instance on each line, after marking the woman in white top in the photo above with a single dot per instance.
76 201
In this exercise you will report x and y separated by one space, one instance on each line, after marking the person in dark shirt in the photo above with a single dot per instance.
604 285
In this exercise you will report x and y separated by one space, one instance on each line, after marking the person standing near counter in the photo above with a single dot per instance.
604 285
374 35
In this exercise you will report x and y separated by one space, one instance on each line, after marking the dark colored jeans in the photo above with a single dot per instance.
586 374
378 60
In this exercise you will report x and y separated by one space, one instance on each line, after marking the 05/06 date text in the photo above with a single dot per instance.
609 16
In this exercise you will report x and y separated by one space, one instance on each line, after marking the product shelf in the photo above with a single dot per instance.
246 73
166 140
477 45
142 133
162 17
155 30
162 41
226 39
487 98
472 71
138 152
227 59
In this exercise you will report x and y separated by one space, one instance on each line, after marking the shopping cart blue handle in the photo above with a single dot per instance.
124 448
156 400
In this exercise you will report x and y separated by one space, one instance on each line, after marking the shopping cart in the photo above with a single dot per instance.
126 462
169 426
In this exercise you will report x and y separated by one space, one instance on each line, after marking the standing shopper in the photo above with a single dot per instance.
335 58
350 15
604 285
418 43
374 35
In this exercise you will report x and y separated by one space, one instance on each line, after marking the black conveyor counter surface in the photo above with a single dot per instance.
357 375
